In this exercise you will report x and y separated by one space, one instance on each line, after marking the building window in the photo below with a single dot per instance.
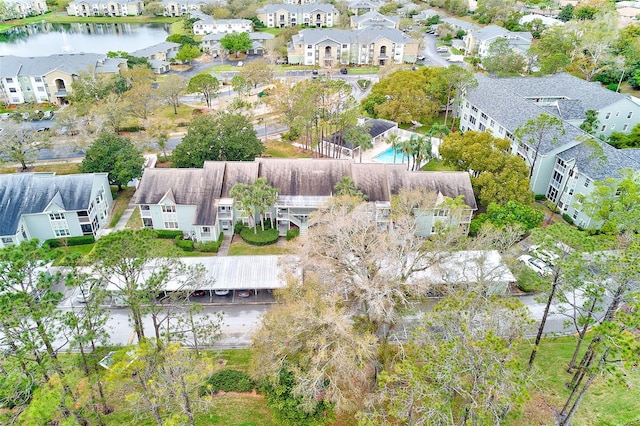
472 119
552 193
482 127
492 124
40 89
309 46
59 224
171 225
37 79
575 214
168 209
603 128
630 114
169 217
7 240
617 113
587 182
624 128
12 90
606 117
9 80
467 105
474 109
557 176
483 116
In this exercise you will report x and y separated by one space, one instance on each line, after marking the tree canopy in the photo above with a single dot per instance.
206 84
236 42
115 155
223 137
497 175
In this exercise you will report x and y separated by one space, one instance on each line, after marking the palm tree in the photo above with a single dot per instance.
407 148
264 196
346 186
422 148
359 136
394 140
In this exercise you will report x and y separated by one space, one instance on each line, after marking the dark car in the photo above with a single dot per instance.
198 293
343 71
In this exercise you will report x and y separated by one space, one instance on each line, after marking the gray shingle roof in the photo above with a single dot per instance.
299 177
71 63
373 17
361 36
299 8
591 94
28 193
500 99
253 36
165 46
615 160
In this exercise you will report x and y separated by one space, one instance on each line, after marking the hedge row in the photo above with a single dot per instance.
70 241
227 381
210 246
261 238
168 234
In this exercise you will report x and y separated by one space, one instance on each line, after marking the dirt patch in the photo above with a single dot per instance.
537 411
180 67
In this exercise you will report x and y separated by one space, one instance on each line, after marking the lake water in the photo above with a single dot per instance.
47 39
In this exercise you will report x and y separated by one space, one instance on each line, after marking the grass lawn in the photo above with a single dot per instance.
185 113
135 221
363 70
65 254
435 165
59 169
604 403
63 18
274 31
120 204
284 149
240 248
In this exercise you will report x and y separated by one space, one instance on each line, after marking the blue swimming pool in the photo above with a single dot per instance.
387 156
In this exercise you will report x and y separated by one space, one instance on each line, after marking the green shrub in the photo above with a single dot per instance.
238 227
210 246
261 238
292 233
53 243
530 282
131 129
539 197
548 204
227 381
81 240
183 124
166 234
71 241
186 245
567 218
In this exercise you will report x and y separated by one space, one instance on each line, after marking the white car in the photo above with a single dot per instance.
547 256
421 57
442 49
536 265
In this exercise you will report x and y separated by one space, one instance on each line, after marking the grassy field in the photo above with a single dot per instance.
63 18
58 168
240 248
606 403
284 149
135 221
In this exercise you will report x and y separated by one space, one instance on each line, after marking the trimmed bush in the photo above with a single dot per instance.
71 241
567 218
186 245
292 233
53 243
81 240
227 381
238 227
210 246
261 238
539 197
166 234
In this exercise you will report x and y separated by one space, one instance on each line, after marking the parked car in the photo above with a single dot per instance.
547 256
442 49
239 64
243 293
220 292
343 71
421 57
198 293
536 265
